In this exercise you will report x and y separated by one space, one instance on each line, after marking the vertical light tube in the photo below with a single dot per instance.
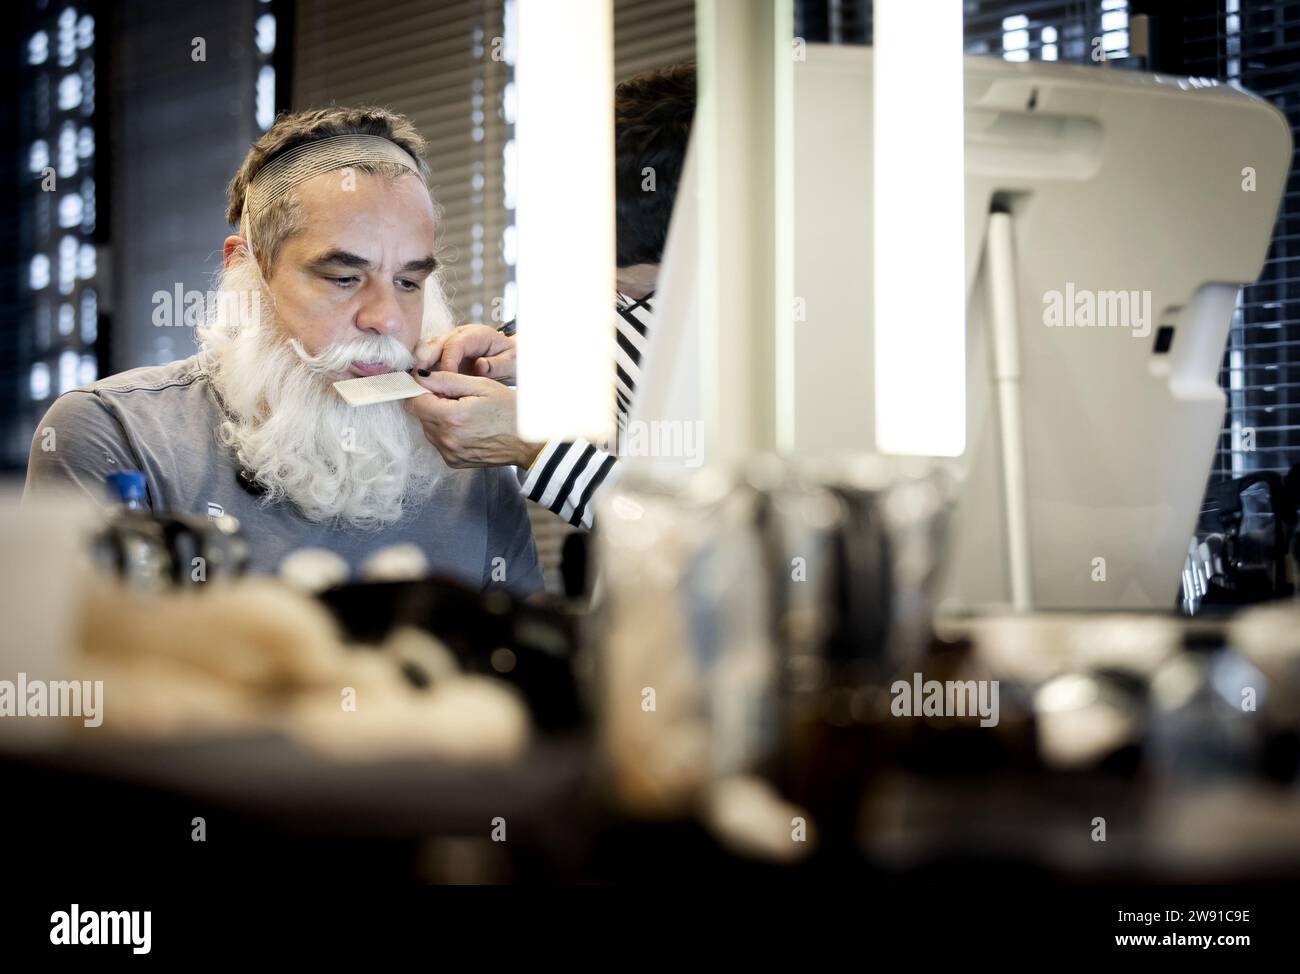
785 352
920 269
564 218
744 141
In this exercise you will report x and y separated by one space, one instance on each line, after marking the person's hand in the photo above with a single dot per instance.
472 350
471 421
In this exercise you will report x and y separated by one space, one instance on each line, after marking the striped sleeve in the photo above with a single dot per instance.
564 478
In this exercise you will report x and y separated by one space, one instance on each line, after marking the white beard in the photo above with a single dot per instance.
363 466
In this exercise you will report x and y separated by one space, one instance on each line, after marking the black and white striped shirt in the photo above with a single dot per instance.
566 475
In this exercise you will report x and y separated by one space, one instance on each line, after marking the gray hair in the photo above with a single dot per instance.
279 221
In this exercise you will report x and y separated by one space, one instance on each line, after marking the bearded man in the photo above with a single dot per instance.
332 276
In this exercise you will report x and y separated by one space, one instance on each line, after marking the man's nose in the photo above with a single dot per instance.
380 311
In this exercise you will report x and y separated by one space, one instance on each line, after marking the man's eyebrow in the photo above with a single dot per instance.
334 258
425 265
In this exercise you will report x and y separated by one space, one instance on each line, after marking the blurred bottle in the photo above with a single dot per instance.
132 544
153 551
128 488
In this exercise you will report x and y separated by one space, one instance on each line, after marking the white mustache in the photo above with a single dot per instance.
383 349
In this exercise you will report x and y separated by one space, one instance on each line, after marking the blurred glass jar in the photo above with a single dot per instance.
734 610
1203 719
1080 678
1268 636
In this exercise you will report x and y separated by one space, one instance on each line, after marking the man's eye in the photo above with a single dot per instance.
343 281
408 285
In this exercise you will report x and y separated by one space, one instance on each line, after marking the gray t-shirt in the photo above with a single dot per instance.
163 420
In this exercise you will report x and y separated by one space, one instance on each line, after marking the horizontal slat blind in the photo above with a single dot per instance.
652 34
433 62
1257 45
1047 30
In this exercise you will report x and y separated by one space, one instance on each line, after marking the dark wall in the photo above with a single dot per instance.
179 130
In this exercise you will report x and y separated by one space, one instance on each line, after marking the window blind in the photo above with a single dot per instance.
1046 30
1079 31
442 64
652 34
1257 45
